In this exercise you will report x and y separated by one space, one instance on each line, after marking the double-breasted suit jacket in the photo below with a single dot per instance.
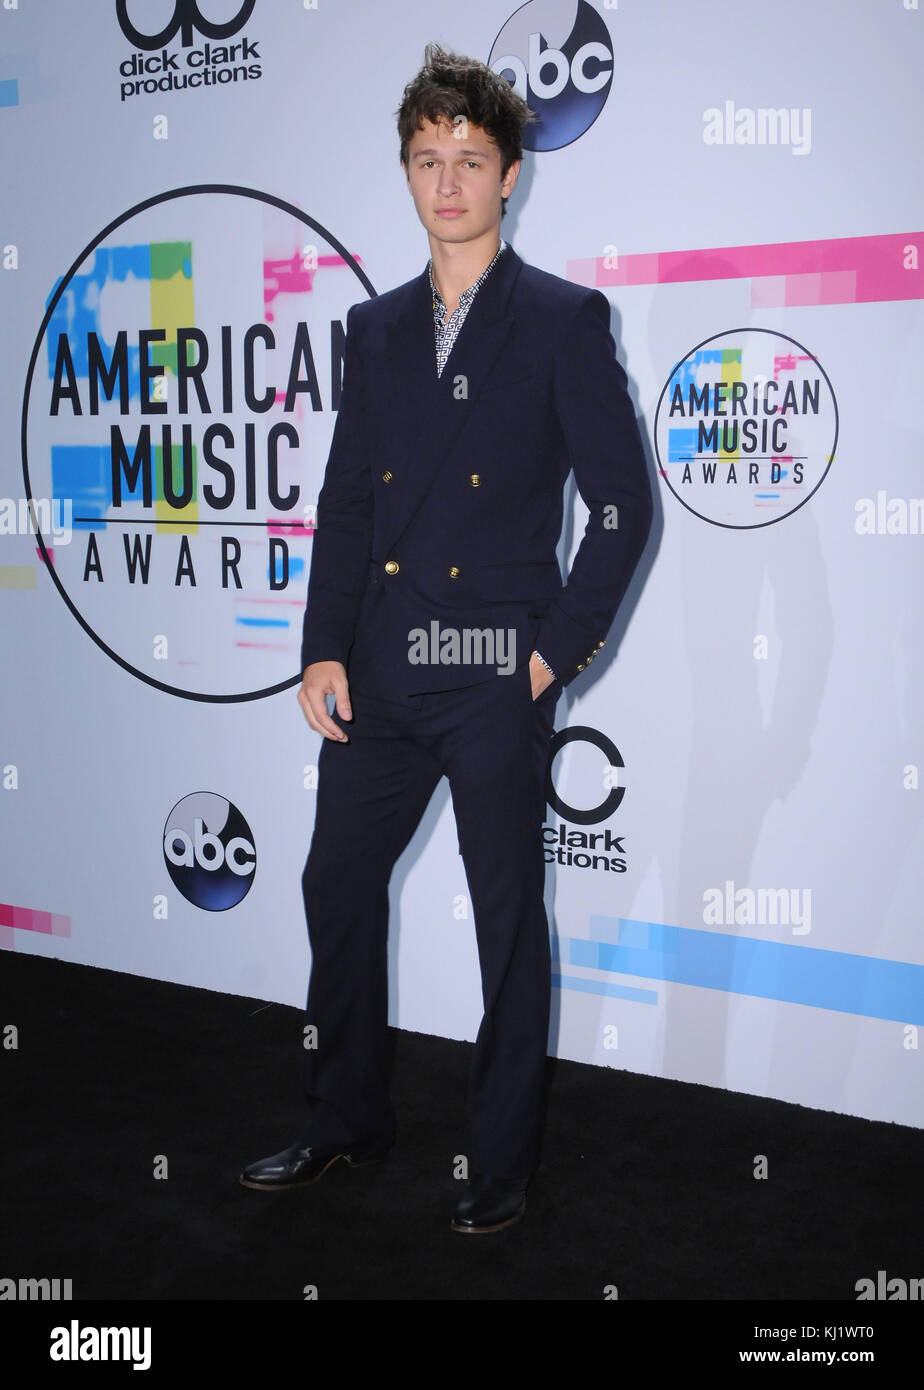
442 497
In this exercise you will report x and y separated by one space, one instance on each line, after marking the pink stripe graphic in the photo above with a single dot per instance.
253 598
291 276
30 919
846 270
290 528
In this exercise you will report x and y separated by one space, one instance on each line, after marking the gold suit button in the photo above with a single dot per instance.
454 572
387 477
601 644
391 567
475 479
581 667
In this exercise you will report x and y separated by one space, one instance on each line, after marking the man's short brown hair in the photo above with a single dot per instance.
449 86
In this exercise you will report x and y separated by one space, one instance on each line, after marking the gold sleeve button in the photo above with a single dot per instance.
475 479
387 477
454 572
391 567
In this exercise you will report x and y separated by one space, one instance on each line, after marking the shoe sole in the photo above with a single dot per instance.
308 1182
487 1230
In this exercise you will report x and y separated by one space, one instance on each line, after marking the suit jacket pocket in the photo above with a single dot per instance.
475 584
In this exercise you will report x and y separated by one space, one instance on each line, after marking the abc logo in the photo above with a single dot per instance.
559 59
209 851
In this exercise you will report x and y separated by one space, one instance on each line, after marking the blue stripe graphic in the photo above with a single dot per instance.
585 986
793 973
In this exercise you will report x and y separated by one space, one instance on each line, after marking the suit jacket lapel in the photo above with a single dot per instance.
434 409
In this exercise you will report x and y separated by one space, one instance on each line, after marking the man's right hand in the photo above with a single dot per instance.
320 679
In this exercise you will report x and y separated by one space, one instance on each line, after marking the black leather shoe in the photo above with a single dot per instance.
298 1166
489 1204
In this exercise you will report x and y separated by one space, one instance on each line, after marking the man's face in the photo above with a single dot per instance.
454 175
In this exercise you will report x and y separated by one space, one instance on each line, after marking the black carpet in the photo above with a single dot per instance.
646 1188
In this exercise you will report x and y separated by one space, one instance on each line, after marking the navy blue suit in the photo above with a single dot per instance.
442 508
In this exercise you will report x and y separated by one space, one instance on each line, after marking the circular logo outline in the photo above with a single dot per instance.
583 733
730 525
186 17
186 191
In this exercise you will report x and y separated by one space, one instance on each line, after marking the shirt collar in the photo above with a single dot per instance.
466 295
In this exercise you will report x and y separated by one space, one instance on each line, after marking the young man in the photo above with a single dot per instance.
438 621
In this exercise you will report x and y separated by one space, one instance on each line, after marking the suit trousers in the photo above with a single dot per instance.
491 740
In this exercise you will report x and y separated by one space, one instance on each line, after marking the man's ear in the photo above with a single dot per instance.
513 171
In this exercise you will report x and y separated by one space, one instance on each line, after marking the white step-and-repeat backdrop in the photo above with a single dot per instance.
193 196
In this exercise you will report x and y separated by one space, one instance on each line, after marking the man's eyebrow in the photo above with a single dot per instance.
419 154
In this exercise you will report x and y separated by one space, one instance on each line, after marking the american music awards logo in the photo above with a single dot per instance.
182 393
746 428
210 53
558 56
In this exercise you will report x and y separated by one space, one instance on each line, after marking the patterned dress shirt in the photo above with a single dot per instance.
447 333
